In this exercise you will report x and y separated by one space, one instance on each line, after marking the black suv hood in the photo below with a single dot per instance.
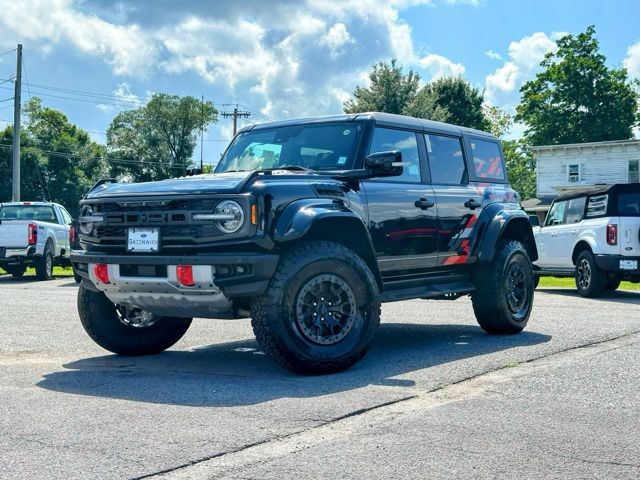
231 182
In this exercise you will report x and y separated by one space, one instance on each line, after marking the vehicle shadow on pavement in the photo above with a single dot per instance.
618 296
237 373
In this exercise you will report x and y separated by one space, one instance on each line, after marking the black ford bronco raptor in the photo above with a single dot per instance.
306 226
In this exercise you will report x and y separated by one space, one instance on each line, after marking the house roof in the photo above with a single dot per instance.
591 145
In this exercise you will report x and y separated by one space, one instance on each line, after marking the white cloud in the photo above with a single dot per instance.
439 66
126 48
124 98
632 60
502 85
337 37
493 55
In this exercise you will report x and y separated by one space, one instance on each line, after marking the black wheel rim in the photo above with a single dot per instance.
517 293
325 309
584 274
135 317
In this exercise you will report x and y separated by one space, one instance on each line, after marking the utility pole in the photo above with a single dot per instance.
16 127
235 114
201 133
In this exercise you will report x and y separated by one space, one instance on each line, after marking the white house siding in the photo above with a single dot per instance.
602 162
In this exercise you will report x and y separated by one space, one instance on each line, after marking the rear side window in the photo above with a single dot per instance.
629 204
387 139
556 214
28 212
487 160
597 206
575 210
446 162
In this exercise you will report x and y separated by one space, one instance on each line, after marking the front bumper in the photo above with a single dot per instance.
150 282
615 264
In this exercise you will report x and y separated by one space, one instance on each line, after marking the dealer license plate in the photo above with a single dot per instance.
143 240
628 264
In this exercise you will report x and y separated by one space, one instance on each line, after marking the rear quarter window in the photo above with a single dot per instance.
487 160
597 206
629 204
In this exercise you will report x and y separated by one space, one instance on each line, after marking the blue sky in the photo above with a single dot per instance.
285 58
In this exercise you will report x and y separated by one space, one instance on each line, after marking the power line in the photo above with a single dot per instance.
235 114
6 99
8 51
6 80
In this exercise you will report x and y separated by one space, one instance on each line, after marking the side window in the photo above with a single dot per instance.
556 214
66 217
487 161
597 206
386 139
446 161
575 210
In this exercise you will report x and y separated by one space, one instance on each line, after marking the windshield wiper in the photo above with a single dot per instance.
290 167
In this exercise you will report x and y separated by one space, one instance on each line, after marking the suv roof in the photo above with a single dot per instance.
599 190
385 119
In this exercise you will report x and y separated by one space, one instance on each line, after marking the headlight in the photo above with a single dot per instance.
86 220
234 216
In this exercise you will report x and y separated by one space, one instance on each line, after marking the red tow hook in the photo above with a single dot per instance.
101 272
184 273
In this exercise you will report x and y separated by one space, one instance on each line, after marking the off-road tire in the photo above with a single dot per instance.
101 321
273 315
597 282
491 306
613 284
15 271
44 263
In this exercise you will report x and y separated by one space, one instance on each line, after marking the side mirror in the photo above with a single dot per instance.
534 220
384 164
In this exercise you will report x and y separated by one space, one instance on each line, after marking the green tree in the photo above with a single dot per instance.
390 90
576 98
462 103
59 161
157 141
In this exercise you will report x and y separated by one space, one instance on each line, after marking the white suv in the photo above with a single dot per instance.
594 236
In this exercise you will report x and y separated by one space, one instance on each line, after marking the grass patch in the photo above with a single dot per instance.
57 272
571 283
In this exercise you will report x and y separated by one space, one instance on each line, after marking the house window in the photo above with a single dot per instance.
573 173
633 171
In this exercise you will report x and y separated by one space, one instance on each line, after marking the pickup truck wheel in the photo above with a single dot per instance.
320 311
503 297
127 331
44 264
590 280
15 272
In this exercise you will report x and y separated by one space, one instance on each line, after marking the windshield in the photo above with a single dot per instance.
28 212
327 146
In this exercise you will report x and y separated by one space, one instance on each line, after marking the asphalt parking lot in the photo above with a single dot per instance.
435 397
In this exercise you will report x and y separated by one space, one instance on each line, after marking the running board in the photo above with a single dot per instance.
427 291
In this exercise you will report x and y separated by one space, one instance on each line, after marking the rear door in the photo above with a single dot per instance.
13 230
402 212
458 201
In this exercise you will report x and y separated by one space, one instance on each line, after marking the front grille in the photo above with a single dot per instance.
174 219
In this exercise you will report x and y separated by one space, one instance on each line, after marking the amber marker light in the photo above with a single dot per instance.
254 214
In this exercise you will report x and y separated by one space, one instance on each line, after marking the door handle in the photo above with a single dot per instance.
472 204
423 204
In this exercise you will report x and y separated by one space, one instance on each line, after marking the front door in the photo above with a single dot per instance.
402 210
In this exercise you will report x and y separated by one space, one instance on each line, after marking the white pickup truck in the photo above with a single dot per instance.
592 235
35 234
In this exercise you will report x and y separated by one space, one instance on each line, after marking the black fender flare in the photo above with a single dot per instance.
326 219
496 222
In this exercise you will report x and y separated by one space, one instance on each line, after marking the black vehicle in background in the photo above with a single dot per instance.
307 226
